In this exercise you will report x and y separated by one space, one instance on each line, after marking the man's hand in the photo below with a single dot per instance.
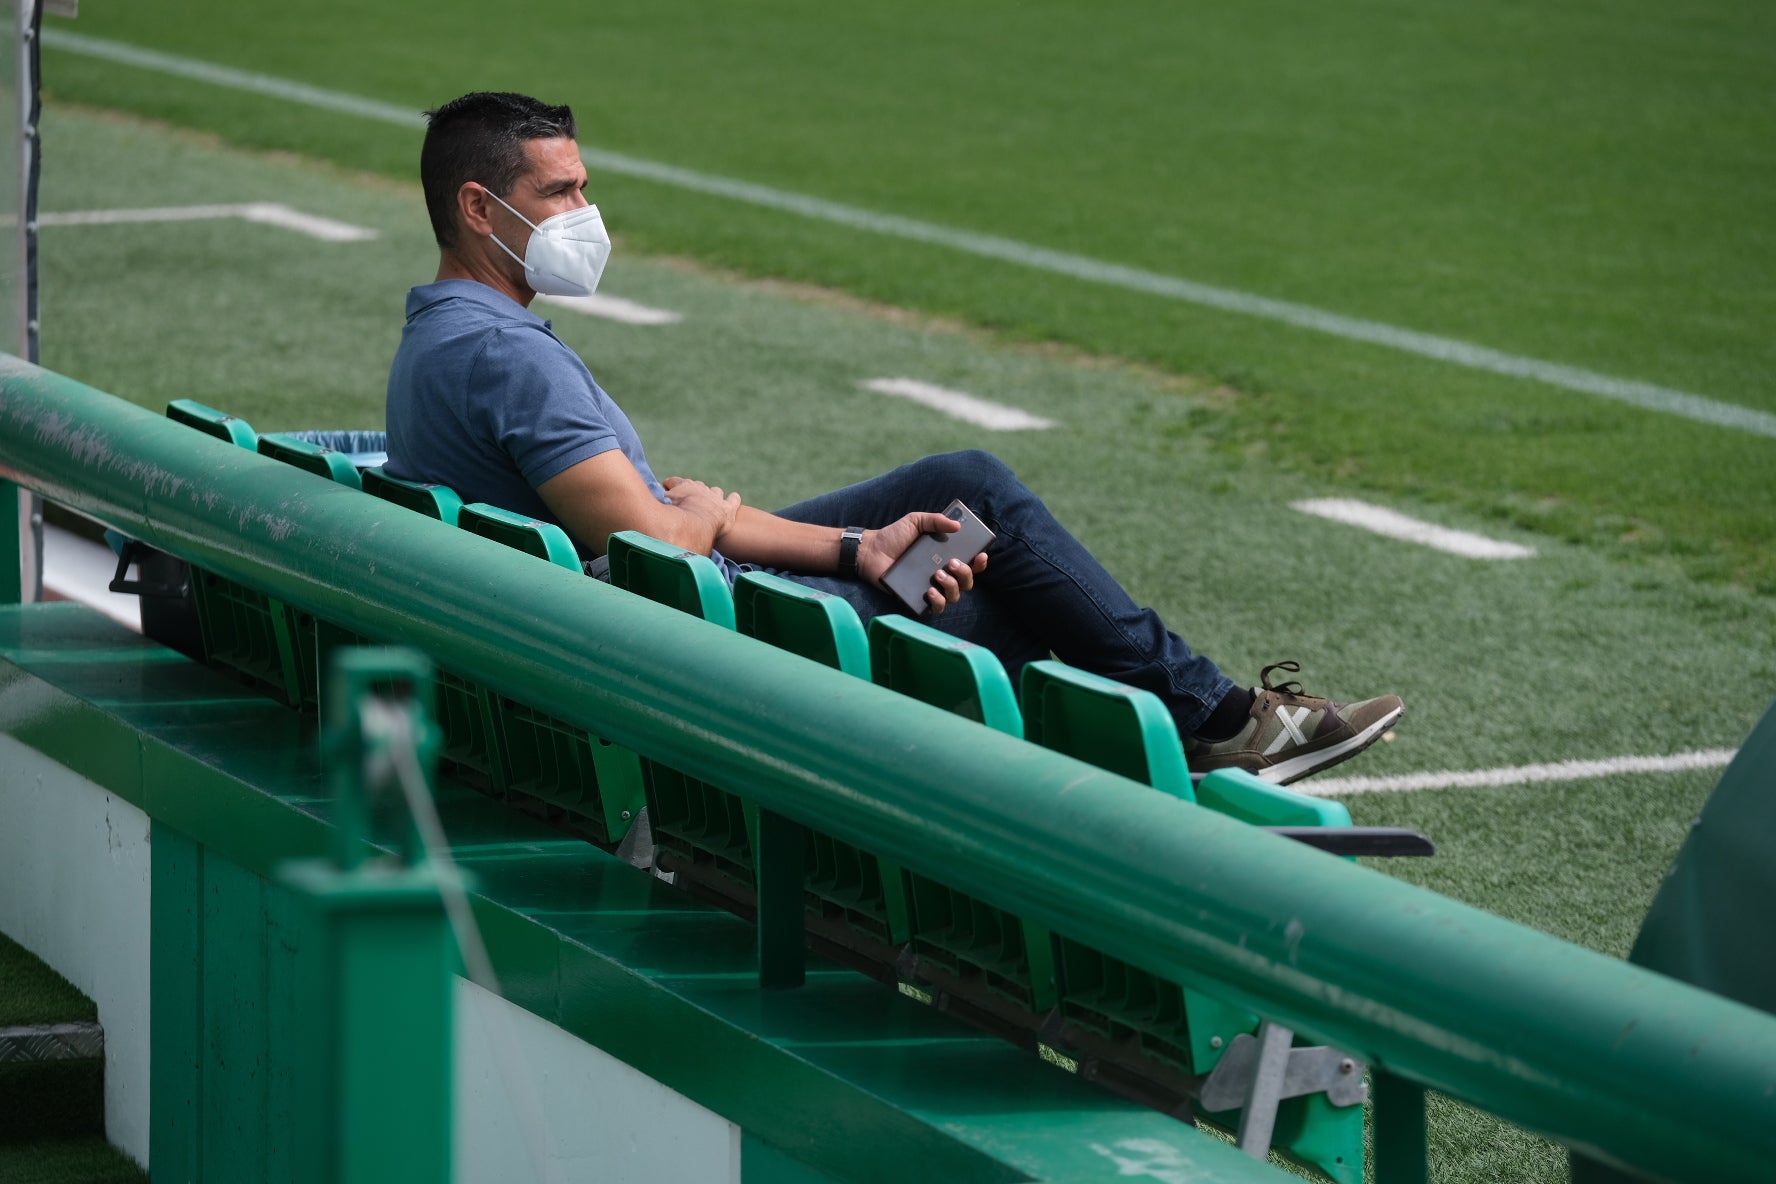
704 501
878 549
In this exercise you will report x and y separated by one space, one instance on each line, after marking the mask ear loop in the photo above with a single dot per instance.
516 214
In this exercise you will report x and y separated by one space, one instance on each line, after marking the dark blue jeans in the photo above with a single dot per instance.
1042 592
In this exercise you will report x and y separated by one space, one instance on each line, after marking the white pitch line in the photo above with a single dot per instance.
271 213
268 213
614 308
959 405
1645 395
1711 758
1395 525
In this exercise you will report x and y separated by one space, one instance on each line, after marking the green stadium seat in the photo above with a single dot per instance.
422 497
671 575
247 631
322 462
220 424
1104 723
963 944
468 713
1239 794
841 881
941 670
532 754
792 617
1107 1003
544 540
315 639
700 831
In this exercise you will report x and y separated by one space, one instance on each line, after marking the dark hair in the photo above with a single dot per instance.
480 137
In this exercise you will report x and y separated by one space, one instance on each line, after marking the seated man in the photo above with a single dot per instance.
484 398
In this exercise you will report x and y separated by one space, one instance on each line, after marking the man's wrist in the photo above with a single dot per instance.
849 542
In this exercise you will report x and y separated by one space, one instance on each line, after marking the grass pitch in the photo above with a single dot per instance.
1639 628
1582 185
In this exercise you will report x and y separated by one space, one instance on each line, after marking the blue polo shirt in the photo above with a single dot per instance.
484 398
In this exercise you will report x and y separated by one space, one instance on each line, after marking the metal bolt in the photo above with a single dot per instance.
626 815
1214 1042
1347 1066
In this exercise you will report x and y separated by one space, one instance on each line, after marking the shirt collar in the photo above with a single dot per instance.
426 295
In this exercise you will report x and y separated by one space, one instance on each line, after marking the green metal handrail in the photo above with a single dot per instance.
1631 1067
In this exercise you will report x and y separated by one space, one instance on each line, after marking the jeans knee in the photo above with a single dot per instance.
970 469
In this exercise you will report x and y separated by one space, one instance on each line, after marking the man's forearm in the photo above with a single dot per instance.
763 538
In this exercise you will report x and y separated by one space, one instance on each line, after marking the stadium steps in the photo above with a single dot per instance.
52 1080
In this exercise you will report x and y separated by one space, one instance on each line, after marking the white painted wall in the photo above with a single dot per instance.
74 889
600 1119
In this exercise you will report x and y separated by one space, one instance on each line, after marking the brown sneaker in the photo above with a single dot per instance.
1291 735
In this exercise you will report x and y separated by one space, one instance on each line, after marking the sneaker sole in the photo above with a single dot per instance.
1309 763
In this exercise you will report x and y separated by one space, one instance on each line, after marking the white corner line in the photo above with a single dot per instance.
959 405
1394 525
1711 758
268 213
1453 351
614 308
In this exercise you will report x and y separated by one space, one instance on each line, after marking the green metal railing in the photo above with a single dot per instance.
1631 1067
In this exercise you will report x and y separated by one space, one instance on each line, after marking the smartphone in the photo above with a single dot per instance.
909 577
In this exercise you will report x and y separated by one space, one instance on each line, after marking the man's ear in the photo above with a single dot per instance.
475 207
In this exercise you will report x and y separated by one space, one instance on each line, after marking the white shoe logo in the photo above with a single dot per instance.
1291 728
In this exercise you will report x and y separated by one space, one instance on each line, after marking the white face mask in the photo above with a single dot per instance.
567 252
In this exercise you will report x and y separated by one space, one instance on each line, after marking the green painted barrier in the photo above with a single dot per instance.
1624 1064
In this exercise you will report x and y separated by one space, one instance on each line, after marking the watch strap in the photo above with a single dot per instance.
848 544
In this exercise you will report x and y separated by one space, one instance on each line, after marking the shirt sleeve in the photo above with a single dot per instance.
546 413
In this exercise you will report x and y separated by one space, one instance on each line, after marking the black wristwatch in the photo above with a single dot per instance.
848 543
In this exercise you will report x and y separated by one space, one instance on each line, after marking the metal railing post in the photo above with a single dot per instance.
372 1057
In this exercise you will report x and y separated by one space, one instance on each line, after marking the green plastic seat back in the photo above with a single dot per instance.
322 462
814 624
1241 795
1104 723
228 428
545 540
422 497
671 575
944 671
985 947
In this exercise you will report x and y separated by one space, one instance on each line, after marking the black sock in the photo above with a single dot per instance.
1228 717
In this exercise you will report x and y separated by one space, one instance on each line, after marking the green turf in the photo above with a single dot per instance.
32 993
1586 184
68 1161
1572 655
1575 654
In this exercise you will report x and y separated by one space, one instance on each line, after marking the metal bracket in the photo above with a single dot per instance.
1255 1074
158 574
637 847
